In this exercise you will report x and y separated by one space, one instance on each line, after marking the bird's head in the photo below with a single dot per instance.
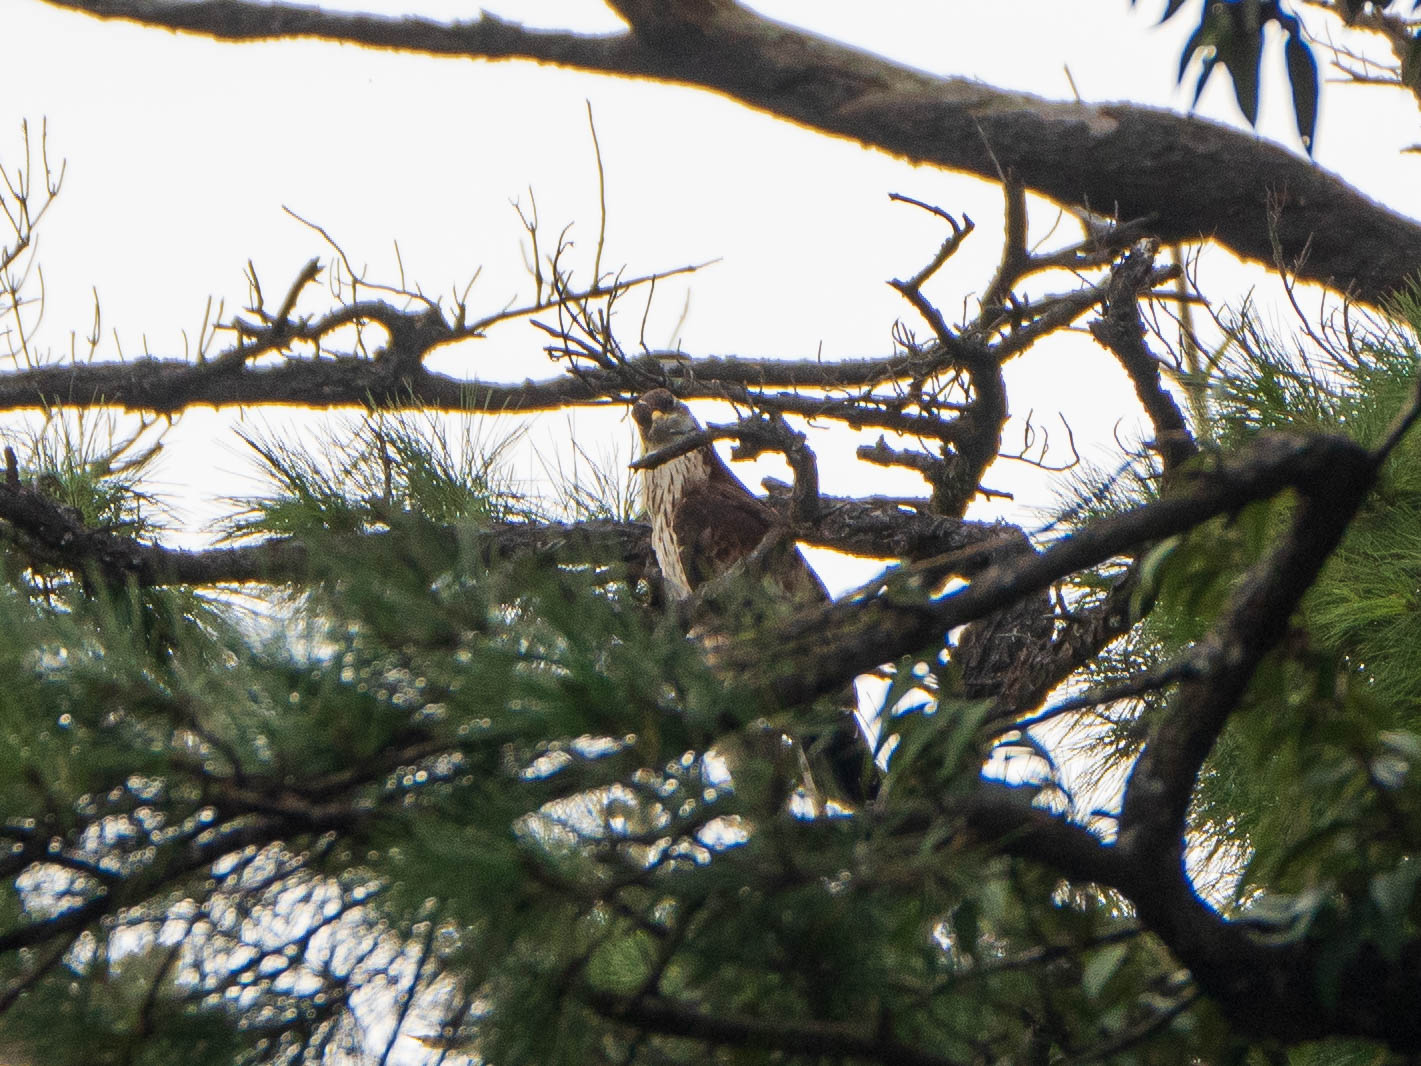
662 419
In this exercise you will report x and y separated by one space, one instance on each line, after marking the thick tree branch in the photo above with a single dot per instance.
1005 816
52 534
825 648
1268 986
1190 178
876 528
1082 636
168 386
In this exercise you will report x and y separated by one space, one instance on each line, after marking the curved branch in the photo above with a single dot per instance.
1160 787
1121 330
894 616
1190 178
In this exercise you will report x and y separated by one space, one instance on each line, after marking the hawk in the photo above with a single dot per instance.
703 522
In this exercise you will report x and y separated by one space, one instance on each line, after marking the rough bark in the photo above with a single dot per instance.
169 386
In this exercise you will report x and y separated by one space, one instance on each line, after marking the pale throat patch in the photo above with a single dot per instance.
665 486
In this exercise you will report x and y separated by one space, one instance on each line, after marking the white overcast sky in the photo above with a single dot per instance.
182 153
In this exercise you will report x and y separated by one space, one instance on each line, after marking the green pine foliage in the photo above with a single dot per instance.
1312 791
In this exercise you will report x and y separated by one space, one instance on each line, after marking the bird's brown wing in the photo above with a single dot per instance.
715 527
719 523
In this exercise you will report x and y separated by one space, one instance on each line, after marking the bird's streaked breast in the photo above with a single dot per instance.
665 487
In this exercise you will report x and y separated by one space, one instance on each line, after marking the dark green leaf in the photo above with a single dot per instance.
1302 75
1241 52
1393 891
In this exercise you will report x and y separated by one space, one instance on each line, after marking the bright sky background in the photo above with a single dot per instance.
182 153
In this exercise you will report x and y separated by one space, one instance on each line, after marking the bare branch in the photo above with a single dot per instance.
1122 331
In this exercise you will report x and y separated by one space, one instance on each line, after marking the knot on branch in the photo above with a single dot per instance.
412 335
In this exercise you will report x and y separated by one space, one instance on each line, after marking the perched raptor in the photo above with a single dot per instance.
703 522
